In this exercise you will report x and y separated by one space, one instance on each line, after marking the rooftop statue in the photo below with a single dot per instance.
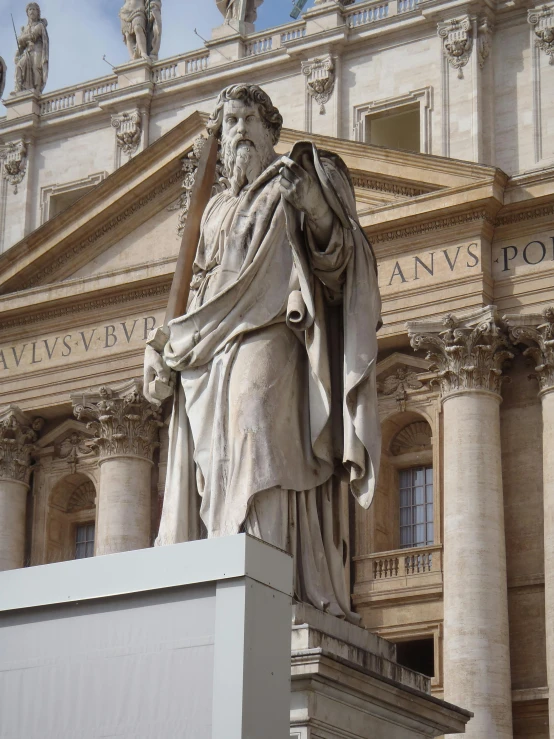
275 402
31 59
239 10
141 26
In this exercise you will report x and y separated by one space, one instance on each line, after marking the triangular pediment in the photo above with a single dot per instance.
126 227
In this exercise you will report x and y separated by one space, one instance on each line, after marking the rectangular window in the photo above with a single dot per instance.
398 128
84 541
416 507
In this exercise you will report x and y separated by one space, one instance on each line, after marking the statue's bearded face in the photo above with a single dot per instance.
246 142
33 13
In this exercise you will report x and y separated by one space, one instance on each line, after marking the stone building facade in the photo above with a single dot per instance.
443 113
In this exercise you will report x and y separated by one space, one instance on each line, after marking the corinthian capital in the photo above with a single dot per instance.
467 352
18 434
537 332
123 422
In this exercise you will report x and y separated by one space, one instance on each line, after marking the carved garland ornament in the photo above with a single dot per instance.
14 156
123 422
466 357
540 341
457 42
18 435
320 80
542 22
128 131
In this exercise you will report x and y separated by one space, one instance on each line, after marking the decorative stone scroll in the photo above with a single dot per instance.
320 79
18 434
468 353
14 158
122 421
542 22
128 128
537 332
457 42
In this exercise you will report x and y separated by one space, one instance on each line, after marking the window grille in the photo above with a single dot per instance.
84 541
416 507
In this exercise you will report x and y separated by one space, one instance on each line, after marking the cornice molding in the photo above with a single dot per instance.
86 307
433 225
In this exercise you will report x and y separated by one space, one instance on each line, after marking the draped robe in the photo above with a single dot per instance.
276 407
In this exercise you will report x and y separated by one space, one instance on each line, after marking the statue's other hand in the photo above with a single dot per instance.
157 377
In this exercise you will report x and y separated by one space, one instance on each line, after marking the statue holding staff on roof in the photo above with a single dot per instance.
31 59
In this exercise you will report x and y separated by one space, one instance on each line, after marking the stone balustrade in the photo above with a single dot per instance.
400 563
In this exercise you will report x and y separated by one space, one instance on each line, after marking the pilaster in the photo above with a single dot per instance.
536 332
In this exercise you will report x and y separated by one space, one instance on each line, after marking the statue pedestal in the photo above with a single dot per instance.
24 104
346 682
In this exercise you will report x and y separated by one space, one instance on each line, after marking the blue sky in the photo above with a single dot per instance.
82 31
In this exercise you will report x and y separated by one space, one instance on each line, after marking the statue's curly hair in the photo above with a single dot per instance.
251 95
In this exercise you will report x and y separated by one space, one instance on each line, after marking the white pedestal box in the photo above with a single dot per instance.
191 640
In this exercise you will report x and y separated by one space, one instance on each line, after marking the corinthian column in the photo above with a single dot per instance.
537 332
468 354
17 436
125 426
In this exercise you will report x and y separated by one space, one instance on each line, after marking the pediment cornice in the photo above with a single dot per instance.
395 190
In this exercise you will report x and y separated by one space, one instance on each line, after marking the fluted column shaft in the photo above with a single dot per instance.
468 354
126 428
17 436
536 331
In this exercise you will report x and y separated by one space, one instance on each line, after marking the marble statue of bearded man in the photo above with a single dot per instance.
275 409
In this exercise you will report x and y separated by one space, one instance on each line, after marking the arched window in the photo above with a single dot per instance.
415 484
71 519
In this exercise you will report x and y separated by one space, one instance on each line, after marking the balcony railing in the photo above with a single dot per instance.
396 573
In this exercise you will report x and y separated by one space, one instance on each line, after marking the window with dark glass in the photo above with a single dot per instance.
416 507
84 540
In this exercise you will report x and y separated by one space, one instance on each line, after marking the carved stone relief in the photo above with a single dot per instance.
18 434
83 498
537 332
190 167
128 134
484 41
416 437
14 158
542 22
457 42
73 448
468 353
320 79
122 421
399 384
